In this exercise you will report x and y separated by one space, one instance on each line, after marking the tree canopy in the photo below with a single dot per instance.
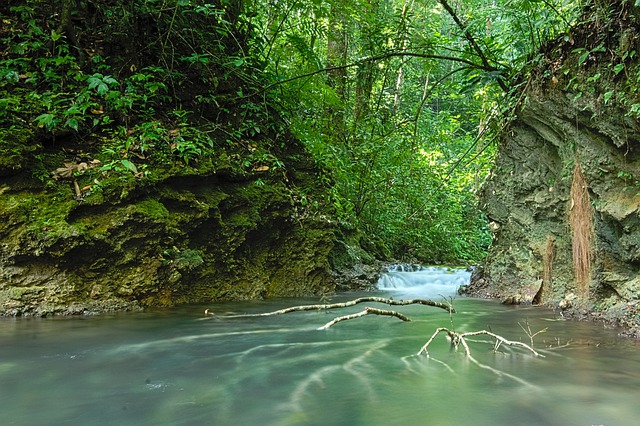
398 100
401 101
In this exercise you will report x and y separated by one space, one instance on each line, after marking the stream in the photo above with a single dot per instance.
179 367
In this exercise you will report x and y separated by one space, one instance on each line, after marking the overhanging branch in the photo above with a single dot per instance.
485 66
472 41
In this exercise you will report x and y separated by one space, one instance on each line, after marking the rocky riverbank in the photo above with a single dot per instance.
563 197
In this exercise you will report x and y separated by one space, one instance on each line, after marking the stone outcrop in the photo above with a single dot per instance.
196 235
563 198
132 175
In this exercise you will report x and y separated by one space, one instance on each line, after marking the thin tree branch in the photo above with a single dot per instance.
460 339
506 123
557 12
277 31
366 311
447 307
474 45
503 340
386 55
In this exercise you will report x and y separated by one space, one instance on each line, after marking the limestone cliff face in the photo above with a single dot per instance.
563 198
194 236
132 175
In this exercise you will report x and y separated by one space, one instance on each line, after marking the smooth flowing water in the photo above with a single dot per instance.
178 367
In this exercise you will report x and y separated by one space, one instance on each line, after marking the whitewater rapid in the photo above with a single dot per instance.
423 281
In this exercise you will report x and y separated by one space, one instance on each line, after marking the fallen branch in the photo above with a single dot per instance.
446 306
366 311
459 339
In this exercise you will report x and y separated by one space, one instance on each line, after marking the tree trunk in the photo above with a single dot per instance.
68 29
402 36
337 77
337 49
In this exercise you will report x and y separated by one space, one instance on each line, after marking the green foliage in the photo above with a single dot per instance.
187 259
400 133
124 105
403 123
101 83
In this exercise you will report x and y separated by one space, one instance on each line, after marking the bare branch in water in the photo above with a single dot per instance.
446 306
366 311
459 339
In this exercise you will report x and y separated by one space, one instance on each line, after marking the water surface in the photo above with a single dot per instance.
178 367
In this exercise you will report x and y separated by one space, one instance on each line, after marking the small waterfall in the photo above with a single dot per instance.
421 281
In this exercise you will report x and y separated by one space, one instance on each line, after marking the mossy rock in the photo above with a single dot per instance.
16 149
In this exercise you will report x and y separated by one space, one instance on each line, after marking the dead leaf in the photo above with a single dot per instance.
261 169
62 172
70 168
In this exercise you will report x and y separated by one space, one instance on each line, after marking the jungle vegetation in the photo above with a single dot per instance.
398 101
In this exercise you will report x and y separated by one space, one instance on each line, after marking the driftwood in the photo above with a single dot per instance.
446 306
460 339
366 311
456 338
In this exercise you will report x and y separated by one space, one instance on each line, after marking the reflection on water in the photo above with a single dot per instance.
178 367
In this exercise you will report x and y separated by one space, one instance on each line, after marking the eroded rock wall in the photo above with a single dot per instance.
194 238
577 117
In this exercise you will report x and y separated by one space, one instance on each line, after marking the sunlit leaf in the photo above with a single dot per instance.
129 166
72 123
618 68
607 96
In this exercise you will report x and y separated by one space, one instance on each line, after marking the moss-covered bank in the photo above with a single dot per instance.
133 174
182 239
